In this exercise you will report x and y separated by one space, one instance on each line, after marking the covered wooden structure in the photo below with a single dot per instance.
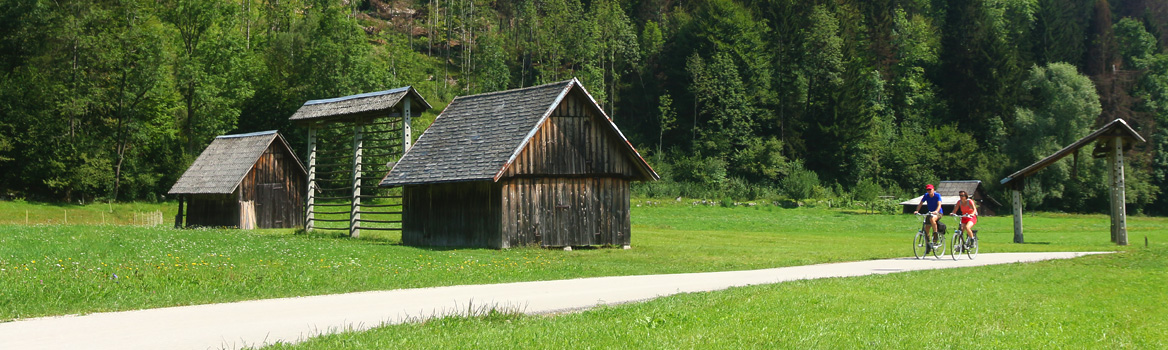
246 181
541 166
986 205
1114 139
352 142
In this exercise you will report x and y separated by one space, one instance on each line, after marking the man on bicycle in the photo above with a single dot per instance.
934 200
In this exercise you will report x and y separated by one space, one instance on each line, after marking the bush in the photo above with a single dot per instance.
800 182
707 171
867 190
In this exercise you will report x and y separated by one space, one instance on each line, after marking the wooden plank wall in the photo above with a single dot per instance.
570 185
213 210
274 185
558 211
573 142
460 214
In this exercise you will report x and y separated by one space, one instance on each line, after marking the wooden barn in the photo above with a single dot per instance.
542 165
986 205
247 181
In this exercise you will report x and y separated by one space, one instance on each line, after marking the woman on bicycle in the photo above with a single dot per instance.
965 206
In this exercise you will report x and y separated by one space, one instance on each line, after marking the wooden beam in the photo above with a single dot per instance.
178 217
311 197
1017 216
1118 196
355 211
406 118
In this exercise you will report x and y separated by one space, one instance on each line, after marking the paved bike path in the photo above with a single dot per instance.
257 322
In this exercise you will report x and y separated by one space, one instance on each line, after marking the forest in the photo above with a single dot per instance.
745 99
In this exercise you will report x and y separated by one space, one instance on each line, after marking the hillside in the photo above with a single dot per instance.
758 99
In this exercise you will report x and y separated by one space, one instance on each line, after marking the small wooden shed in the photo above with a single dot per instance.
986 205
246 181
542 165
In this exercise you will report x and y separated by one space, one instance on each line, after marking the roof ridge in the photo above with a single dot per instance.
493 93
250 134
357 96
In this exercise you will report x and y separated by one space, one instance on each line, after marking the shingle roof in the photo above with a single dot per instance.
949 191
359 104
221 167
478 136
1117 127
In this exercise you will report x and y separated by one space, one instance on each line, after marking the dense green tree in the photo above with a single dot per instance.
982 62
1136 45
1060 30
212 68
111 99
491 72
667 118
617 49
730 28
1062 109
727 114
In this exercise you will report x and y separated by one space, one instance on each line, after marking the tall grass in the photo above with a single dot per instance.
136 213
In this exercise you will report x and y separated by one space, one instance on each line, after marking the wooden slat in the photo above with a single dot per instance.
380 228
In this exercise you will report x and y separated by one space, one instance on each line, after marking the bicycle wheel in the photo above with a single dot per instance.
919 245
955 247
972 250
939 249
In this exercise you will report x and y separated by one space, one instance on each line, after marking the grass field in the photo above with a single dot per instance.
63 269
1112 301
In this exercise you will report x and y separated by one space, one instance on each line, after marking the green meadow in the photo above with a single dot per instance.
50 268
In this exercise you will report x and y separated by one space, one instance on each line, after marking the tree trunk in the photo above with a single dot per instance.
190 101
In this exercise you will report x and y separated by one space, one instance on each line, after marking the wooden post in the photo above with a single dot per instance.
178 217
1017 215
1110 143
355 208
406 117
1118 197
309 216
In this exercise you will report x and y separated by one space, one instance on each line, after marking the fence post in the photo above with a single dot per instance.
311 196
355 212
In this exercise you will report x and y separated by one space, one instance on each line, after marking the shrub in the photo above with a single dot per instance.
867 190
707 171
800 182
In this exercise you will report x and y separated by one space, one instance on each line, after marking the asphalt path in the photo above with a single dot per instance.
258 322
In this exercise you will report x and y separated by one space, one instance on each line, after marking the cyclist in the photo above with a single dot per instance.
965 206
934 200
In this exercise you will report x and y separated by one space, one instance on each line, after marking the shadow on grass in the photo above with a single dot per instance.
1035 243
344 235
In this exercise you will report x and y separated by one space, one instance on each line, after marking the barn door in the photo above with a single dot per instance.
263 206
561 214
278 206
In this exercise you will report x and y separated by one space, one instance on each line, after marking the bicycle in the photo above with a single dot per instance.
961 243
922 245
